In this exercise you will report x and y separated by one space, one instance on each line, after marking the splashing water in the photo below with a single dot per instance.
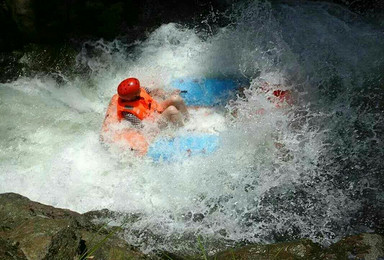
304 171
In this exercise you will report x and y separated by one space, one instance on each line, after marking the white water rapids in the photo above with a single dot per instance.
274 172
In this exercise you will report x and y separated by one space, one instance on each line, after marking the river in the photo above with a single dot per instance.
311 170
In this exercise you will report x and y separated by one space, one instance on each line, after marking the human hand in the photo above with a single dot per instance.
158 92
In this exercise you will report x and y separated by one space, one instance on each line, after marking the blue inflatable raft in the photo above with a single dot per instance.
196 93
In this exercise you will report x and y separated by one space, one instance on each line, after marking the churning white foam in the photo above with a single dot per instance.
50 149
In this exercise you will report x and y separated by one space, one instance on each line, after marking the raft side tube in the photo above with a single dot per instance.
206 92
182 147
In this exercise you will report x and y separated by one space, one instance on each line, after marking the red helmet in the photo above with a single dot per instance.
128 88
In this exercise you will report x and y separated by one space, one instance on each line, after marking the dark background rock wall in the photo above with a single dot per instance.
24 21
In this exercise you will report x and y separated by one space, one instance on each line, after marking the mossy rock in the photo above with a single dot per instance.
302 249
10 250
36 231
31 230
113 248
362 246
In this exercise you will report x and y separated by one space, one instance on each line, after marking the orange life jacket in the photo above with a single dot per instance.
141 108
134 139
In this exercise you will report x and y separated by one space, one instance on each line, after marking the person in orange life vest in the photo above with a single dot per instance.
135 104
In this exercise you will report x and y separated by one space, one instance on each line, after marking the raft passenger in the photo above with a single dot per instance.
135 104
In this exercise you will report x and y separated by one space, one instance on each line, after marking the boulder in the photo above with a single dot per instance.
363 246
10 250
30 230
302 249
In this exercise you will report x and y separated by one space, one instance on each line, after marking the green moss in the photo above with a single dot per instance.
346 247
302 249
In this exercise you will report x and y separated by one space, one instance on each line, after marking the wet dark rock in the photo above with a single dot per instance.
55 21
10 37
10 250
10 67
30 230
60 20
24 15
363 246
303 249
59 61
96 215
